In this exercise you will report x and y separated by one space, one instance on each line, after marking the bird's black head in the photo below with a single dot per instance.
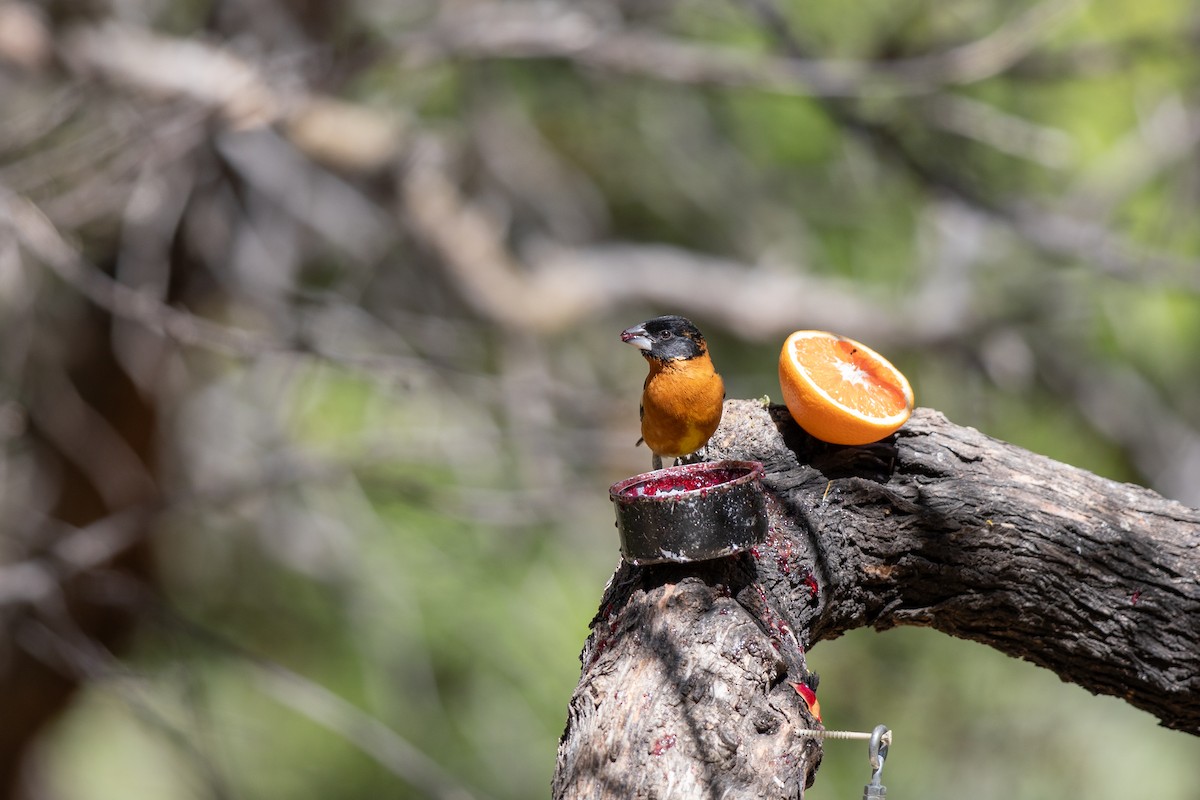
666 338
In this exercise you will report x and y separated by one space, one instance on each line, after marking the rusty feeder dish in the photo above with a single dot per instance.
691 512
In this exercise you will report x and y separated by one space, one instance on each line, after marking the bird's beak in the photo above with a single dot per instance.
637 336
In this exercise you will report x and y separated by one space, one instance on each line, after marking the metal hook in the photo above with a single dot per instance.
881 740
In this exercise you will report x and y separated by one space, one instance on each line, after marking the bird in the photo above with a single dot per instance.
683 395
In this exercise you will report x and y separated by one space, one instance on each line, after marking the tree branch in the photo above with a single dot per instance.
939 526
1096 580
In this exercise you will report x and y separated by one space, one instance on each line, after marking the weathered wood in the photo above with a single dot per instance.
687 682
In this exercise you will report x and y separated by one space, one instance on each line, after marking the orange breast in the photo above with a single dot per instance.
681 406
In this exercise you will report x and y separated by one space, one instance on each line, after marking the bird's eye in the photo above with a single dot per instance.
665 335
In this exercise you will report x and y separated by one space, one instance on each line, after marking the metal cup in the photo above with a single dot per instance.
691 512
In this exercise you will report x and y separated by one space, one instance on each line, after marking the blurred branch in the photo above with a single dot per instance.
367 733
539 30
24 39
39 236
338 211
1007 133
74 552
487 274
1047 230
1167 135
44 242
58 644
557 285
1098 246
757 302
517 31
992 54
327 129
525 295
92 443
1127 409
169 67
390 750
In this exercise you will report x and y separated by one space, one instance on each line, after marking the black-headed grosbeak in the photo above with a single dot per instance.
683 394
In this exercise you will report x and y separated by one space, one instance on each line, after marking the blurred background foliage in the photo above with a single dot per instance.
311 391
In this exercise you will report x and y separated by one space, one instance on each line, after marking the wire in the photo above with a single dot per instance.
824 734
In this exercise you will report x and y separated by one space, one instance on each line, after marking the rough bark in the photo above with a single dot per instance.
687 688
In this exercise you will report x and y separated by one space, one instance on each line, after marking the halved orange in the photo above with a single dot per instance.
840 390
